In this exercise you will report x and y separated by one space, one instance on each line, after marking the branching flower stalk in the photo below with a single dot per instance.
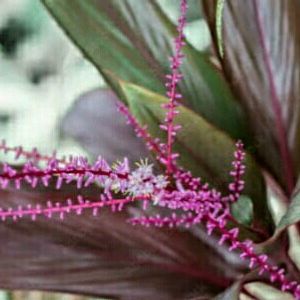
154 145
172 82
188 201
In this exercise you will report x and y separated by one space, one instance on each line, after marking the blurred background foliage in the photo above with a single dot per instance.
42 75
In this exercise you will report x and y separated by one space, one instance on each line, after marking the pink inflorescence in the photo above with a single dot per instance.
237 186
76 169
210 209
118 178
189 206
172 93
153 144
70 206
186 198
33 155
184 178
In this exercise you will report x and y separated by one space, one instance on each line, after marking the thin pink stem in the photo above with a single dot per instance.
69 207
84 174
172 82
74 171
154 145
259 261
174 220
34 154
142 132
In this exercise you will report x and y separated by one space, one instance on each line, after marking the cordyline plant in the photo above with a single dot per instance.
192 240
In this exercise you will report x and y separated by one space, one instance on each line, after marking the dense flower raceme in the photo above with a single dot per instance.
188 200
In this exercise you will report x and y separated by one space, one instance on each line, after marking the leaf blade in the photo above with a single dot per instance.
119 38
95 256
292 215
261 62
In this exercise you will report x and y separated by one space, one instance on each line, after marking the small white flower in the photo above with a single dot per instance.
142 181
160 181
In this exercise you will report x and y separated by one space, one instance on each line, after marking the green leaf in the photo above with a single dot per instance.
292 215
242 210
120 38
103 32
170 8
105 257
204 150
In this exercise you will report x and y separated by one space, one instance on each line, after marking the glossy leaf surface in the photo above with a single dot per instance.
104 255
262 63
119 38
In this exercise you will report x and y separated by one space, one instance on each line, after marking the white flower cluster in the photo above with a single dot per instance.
142 181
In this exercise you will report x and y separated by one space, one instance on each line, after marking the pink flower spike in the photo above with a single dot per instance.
181 200
160 149
173 80
34 155
68 207
237 186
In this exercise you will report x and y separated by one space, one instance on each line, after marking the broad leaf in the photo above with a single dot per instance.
104 255
106 39
262 63
119 37
292 215
204 150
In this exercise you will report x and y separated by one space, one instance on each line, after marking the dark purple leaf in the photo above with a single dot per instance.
105 256
262 63
101 129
